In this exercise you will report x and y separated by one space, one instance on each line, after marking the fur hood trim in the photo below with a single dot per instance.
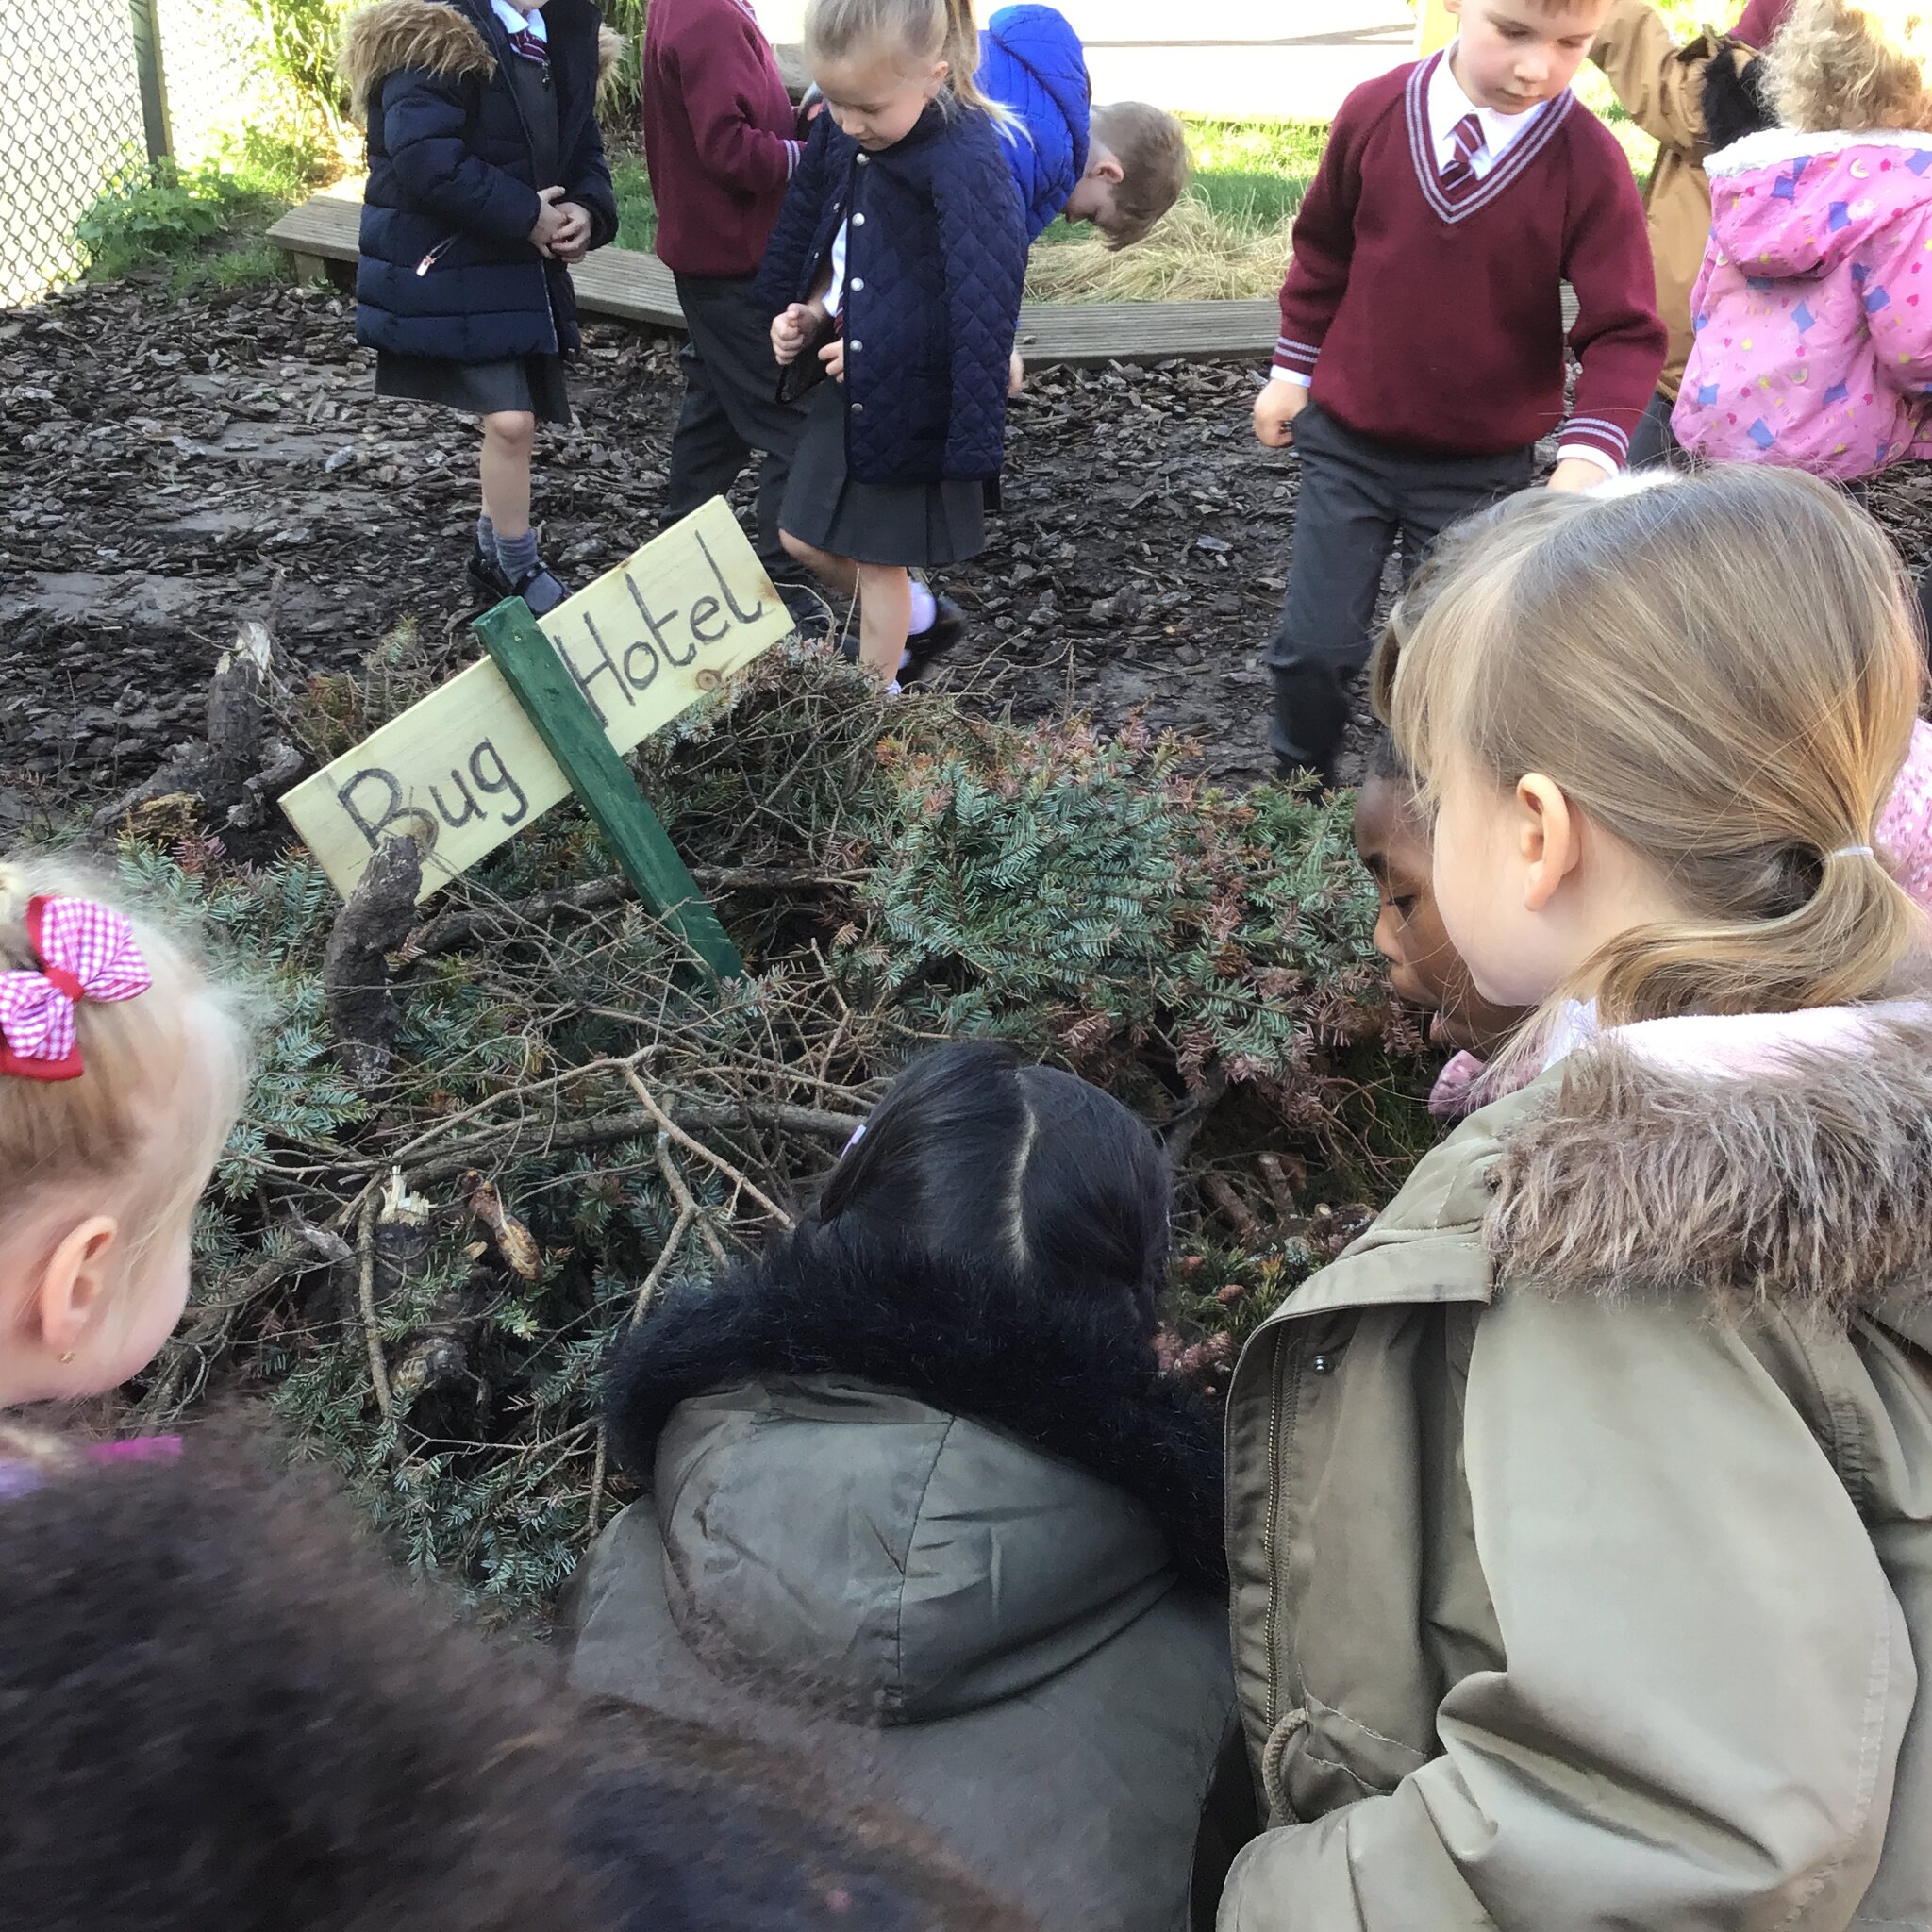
1808 1186
394 35
1069 1376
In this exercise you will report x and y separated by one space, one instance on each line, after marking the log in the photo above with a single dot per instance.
374 922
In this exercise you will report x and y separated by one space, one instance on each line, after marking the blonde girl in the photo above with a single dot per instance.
121 1071
1581 1514
895 270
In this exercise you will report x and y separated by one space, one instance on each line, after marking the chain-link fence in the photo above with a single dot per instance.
92 92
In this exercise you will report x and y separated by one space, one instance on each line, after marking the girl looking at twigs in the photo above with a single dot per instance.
895 271
1579 1539
121 1071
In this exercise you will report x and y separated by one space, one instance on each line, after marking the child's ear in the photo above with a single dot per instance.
1101 166
936 79
1547 838
73 1283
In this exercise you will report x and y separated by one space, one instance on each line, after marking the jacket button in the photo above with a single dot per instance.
863 159
857 283
858 221
859 409
1322 1364
855 347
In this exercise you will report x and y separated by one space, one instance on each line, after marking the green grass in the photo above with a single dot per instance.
205 227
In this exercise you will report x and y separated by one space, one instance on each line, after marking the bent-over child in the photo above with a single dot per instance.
1120 165
897 268
918 1470
1578 1539
487 178
1421 349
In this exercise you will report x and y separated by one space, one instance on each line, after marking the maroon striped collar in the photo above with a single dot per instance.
1477 194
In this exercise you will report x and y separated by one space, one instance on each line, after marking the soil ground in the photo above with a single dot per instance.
170 466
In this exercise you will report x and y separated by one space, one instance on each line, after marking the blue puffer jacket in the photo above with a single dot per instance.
452 180
1031 60
935 260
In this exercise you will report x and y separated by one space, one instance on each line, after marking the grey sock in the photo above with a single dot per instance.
486 536
517 554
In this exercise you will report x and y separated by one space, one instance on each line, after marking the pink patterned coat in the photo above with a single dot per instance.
1813 312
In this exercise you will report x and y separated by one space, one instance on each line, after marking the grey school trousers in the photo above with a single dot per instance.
731 407
1357 498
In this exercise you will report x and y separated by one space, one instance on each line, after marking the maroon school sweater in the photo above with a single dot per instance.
1436 324
719 135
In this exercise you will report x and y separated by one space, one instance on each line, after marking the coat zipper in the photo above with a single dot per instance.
440 249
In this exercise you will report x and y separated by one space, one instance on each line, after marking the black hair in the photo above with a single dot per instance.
975 1152
217 1709
1384 761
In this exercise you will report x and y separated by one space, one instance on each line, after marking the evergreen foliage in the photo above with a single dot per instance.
892 874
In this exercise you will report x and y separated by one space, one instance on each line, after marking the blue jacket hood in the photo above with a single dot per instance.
1032 62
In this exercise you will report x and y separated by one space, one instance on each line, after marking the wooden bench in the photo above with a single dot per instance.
630 286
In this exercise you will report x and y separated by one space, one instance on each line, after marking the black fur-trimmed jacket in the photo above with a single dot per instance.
978 1523
447 268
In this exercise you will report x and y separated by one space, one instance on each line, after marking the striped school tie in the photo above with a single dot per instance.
526 44
1468 137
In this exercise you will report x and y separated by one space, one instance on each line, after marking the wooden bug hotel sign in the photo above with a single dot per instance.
553 710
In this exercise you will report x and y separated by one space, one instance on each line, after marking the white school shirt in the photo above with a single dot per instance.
1447 105
516 20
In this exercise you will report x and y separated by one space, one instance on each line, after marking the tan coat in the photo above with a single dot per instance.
1661 86
1581 1521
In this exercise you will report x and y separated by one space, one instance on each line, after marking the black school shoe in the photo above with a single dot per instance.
486 574
539 588
945 631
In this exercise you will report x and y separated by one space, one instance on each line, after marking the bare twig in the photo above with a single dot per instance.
1218 1190
365 1288
688 1210
669 1127
1279 1192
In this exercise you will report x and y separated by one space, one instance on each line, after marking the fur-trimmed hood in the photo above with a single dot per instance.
1069 1378
1783 1160
394 36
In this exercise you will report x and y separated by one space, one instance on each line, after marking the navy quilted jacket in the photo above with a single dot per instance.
935 260
1031 60
452 181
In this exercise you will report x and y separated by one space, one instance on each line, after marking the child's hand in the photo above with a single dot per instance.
1016 374
833 356
551 221
1576 472
573 241
1275 409
790 330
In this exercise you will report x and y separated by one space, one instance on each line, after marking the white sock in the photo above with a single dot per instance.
924 611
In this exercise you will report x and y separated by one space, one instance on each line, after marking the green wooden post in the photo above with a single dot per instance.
569 728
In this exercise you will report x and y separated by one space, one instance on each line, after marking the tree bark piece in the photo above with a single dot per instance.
362 1013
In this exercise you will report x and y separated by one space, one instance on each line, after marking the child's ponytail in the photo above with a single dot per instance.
1724 672
961 54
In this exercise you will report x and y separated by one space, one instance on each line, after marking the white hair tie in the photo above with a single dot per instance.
1852 852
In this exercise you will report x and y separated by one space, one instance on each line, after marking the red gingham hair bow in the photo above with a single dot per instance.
87 952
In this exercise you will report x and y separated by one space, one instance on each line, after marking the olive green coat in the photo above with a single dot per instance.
1581 1520
968 1542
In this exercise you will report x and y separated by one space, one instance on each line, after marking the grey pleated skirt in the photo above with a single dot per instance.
535 383
913 523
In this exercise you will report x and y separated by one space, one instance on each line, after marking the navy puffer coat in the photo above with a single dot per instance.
452 181
936 258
